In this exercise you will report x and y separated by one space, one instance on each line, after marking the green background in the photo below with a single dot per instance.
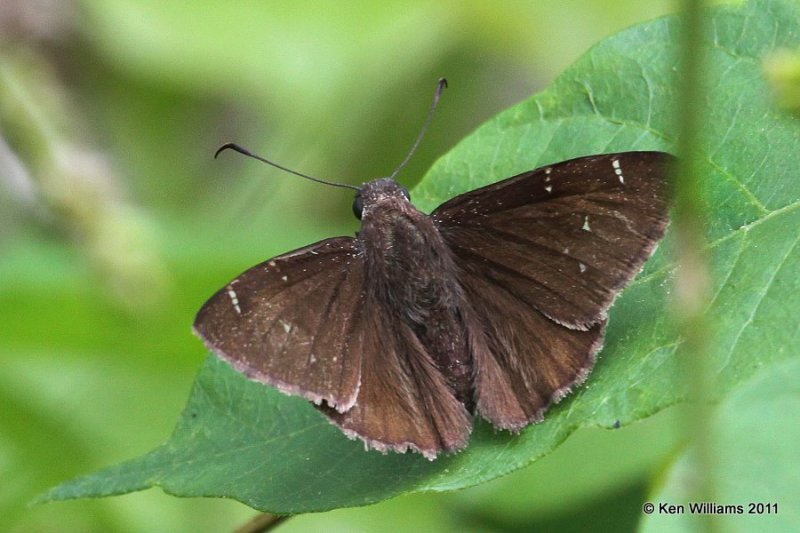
104 266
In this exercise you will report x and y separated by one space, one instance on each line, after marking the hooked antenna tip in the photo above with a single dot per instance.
232 146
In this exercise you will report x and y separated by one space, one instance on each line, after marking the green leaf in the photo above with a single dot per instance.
755 435
241 440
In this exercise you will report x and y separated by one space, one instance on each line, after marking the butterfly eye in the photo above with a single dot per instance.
358 206
406 193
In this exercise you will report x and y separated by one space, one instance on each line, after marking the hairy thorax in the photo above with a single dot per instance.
411 268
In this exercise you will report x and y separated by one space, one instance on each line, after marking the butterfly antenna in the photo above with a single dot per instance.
248 153
439 88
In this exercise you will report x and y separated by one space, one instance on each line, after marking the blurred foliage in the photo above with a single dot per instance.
783 70
116 223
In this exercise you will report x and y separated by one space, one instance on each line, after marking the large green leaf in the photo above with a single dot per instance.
242 440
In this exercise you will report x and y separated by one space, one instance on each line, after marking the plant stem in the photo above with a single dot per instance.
692 283
261 523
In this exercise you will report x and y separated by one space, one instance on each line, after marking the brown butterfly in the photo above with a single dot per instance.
494 304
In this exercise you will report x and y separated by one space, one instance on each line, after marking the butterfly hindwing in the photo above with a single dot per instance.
403 402
524 361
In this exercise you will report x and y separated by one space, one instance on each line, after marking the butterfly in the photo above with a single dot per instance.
494 305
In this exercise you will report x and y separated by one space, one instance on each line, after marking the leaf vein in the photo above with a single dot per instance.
761 297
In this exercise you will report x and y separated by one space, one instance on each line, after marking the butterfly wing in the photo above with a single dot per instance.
292 322
561 240
523 361
404 402
566 237
305 323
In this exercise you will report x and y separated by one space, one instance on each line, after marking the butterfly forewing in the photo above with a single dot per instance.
294 322
564 238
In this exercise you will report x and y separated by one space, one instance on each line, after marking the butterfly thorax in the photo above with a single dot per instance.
410 269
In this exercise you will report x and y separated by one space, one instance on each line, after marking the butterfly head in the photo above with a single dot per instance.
377 192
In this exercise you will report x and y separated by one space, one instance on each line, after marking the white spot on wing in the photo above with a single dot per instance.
234 298
585 226
582 267
284 278
618 170
548 188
